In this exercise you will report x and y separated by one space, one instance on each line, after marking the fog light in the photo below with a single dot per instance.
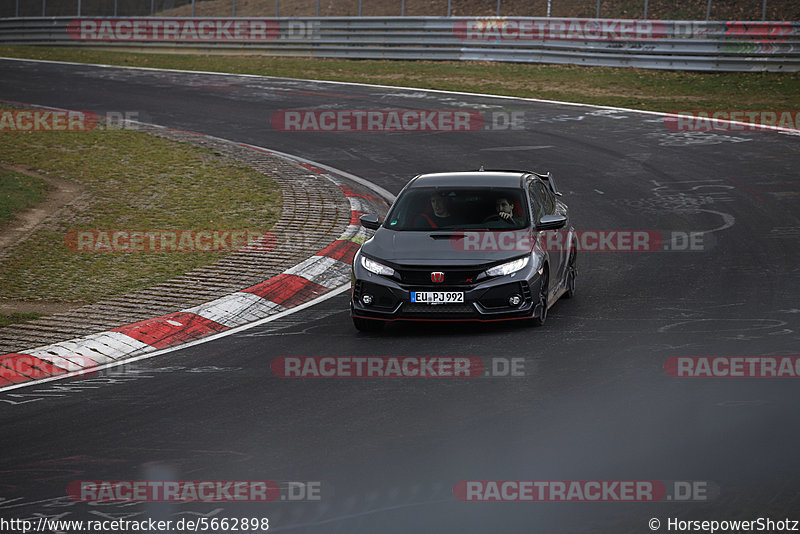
367 300
514 300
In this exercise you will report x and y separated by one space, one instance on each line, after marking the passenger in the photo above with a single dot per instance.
441 217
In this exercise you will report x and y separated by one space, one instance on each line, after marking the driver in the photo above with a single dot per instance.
505 210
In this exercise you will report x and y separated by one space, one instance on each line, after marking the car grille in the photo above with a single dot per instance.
421 276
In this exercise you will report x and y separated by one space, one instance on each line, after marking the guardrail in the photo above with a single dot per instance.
647 9
652 44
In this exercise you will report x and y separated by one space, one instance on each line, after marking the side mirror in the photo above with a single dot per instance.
551 222
370 221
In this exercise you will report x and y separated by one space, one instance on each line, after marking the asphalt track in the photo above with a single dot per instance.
594 403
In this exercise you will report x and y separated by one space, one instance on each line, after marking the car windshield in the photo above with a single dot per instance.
424 208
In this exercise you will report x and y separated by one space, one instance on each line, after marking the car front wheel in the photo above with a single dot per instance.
572 272
542 304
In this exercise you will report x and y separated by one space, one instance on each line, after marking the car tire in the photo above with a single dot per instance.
572 273
367 325
542 304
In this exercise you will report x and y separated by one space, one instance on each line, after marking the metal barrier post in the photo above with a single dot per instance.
448 7
403 8
597 14
645 9
276 8
152 7
79 8
708 10
764 10
233 12
43 6
317 10
549 5
359 8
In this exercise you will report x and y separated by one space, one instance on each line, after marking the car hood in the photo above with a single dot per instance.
440 247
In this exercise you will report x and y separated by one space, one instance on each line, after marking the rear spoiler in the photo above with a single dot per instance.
550 181
546 177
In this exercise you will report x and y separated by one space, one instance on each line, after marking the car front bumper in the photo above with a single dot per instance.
486 301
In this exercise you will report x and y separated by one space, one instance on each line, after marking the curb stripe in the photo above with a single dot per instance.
342 249
312 168
236 309
21 367
326 272
357 234
12 376
70 350
68 365
360 205
171 329
360 198
96 348
287 289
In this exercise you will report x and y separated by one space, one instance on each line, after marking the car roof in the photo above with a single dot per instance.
511 179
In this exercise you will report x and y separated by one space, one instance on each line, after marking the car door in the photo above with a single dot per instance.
550 240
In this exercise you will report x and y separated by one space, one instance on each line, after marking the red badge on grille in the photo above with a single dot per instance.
437 277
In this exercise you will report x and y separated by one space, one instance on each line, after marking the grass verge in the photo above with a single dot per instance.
623 87
130 181
17 192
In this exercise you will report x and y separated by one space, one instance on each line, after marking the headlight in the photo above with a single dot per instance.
508 268
375 267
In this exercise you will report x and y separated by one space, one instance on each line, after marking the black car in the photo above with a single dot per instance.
475 246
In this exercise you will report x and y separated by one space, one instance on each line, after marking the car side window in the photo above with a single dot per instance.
537 202
549 205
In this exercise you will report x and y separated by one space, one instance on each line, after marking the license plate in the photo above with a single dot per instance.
437 297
